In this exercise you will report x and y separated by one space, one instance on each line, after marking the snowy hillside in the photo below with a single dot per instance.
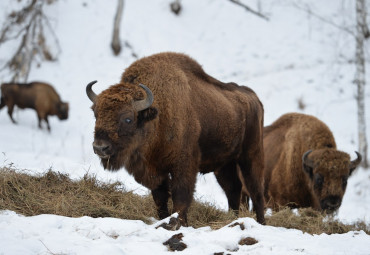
294 57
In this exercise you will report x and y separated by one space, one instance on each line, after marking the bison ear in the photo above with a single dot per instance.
307 164
354 163
147 115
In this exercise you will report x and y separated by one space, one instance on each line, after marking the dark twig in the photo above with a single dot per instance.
133 54
247 8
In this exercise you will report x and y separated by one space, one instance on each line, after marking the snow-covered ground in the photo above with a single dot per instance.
292 58
49 234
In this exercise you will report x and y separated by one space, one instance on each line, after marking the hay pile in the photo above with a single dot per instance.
56 193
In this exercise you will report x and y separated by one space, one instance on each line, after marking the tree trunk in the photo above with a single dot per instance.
360 79
116 44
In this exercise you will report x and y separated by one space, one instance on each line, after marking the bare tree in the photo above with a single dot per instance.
116 43
28 27
361 33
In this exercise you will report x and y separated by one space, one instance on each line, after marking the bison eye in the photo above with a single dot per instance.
319 180
128 120
344 181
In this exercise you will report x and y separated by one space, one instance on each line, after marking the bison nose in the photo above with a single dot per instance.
331 203
102 148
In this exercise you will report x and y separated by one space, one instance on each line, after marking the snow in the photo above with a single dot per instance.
50 234
293 57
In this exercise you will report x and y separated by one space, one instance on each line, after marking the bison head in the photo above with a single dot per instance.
62 110
122 113
328 171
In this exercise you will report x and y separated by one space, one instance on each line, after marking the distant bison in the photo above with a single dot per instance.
303 168
181 122
35 95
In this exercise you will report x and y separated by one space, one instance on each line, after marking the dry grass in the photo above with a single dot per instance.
313 222
56 193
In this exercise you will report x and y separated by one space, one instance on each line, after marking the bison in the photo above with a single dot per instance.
166 120
35 95
303 168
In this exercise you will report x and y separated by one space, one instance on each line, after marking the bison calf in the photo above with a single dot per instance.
303 168
35 95
167 120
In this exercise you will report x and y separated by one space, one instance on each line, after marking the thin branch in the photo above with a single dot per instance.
133 53
247 8
16 18
29 24
51 29
325 20
52 253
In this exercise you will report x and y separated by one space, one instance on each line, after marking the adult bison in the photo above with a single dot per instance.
39 96
181 122
303 168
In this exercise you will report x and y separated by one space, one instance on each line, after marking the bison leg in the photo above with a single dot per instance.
42 116
47 122
252 172
10 112
228 179
39 118
2 103
160 197
182 189
244 196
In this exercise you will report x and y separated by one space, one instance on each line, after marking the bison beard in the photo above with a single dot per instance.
181 122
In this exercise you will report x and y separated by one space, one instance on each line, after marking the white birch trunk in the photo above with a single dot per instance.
360 79
116 44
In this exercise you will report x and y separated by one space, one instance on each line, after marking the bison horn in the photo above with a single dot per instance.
307 164
305 159
90 93
356 162
145 103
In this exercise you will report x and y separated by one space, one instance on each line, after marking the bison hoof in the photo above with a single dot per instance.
173 224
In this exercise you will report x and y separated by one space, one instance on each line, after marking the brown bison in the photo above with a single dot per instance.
35 95
181 122
303 168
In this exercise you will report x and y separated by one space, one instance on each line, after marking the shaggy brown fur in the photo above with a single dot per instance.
196 124
320 181
35 95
